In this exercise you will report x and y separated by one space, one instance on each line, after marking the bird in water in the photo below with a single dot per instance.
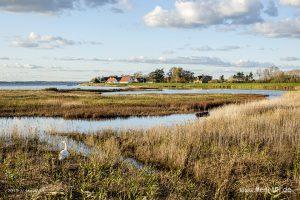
64 153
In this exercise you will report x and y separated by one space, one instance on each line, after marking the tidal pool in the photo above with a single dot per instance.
269 93
43 126
49 124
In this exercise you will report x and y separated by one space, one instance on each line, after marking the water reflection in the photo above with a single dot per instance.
270 93
43 127
60 125
76 85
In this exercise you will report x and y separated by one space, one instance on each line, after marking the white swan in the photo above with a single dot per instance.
64 153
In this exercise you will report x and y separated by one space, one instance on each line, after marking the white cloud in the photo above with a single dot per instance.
287 28
290 59
203 48
22 66
252 64
34 40
192 60
201 13
290 2
181 60
53 6
229 48
168 52
86 59
224 48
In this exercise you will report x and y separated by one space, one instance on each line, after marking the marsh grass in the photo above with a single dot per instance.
29 170
253 86
238 146
236 149
90 105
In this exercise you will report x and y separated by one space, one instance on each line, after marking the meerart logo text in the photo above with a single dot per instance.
271 190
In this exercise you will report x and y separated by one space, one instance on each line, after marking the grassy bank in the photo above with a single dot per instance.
258 86
247 151
92 105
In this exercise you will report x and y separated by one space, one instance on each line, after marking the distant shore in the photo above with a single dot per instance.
256 86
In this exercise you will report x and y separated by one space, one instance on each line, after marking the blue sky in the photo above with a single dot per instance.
79 39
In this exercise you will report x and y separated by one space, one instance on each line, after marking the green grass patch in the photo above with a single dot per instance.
258 86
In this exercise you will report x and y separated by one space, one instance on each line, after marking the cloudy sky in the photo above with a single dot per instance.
57 40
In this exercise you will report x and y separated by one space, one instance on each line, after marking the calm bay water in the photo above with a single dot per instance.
270 93
44 85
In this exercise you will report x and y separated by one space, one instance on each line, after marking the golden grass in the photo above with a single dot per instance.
237 148
81 104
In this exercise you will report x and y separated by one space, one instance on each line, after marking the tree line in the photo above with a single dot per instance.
179 75
175 75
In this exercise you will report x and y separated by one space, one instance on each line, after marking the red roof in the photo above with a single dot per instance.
112 80
126 79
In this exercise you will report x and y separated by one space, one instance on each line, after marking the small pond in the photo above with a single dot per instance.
42 126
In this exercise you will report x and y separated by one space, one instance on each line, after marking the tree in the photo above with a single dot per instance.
175 74
178 75
96 80
188 76
138 75
268 74
222 79
259 73
249 77
239 76
157 76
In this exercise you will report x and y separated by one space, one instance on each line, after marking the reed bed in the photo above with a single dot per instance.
244 151
253 145
92 105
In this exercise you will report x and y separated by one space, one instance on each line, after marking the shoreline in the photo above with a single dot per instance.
245 86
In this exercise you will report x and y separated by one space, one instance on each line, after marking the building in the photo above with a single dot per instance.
203 79
123 79
112 79
127 79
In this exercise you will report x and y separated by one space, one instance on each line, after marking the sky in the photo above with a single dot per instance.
76 40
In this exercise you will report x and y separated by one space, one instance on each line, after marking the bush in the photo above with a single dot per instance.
95 80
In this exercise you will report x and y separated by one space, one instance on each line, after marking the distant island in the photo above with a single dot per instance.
177 77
